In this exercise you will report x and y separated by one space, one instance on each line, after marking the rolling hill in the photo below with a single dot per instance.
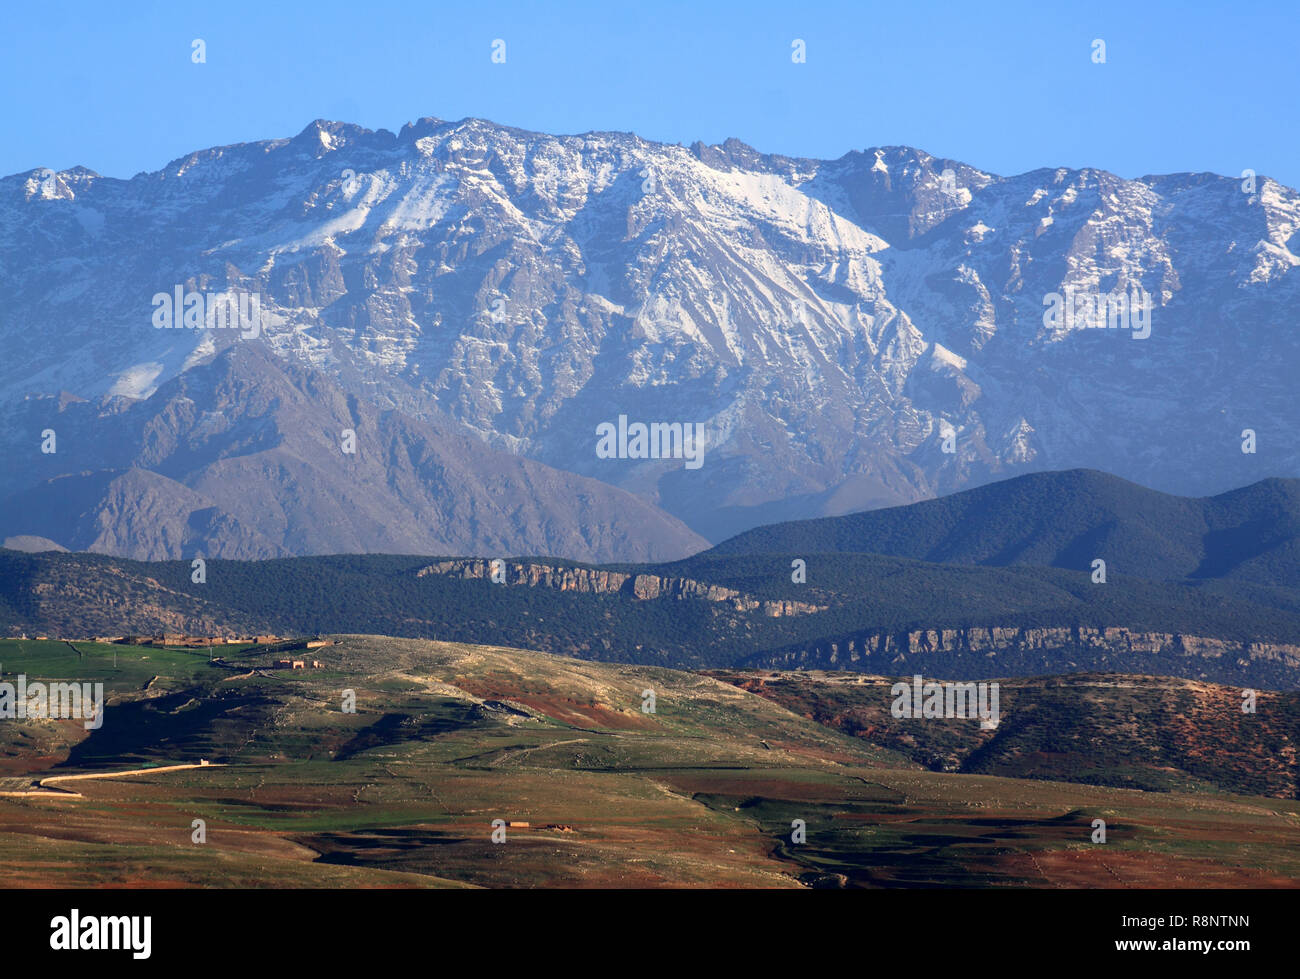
591 789
1143 732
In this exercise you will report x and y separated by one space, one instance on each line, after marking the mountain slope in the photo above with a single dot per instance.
827 321
1150 733
243 457
1065 520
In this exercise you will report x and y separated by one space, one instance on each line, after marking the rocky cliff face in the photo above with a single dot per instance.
875 652
643 587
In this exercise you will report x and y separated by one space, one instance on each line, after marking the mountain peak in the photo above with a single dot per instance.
424 126
827 324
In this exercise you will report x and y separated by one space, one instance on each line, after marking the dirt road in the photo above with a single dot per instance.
48 791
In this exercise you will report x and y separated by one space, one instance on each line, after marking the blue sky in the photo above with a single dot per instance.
1006 87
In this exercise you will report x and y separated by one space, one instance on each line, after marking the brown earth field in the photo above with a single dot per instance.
753 780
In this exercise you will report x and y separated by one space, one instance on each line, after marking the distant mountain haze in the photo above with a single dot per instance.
1065 520
241 457
474 301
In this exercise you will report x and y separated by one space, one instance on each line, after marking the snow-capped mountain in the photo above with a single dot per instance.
850 333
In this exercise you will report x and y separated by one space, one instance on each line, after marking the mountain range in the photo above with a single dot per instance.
1203 589
471 301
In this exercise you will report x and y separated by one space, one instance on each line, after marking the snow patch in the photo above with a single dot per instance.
137 381
942 355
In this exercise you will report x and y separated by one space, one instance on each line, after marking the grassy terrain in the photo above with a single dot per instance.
448 737
117 666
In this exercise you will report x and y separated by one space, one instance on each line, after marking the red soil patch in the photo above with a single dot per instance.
1098 868
566 710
